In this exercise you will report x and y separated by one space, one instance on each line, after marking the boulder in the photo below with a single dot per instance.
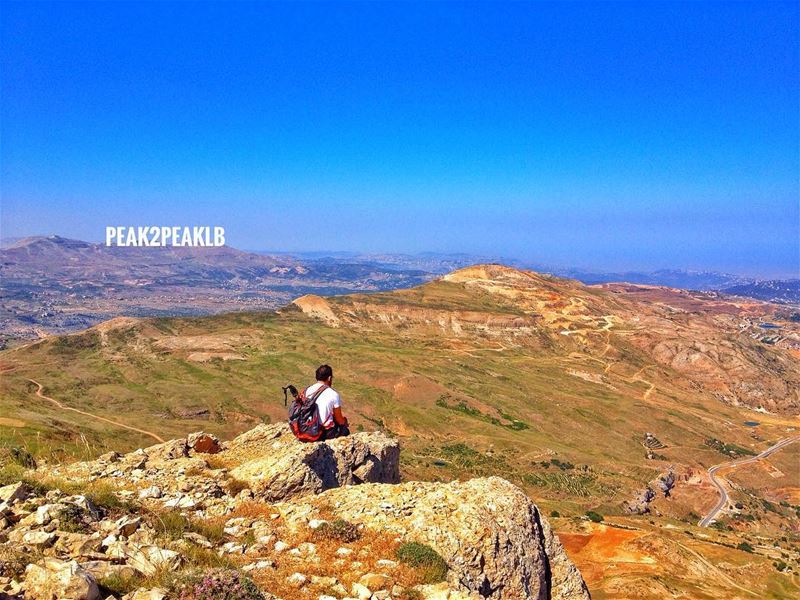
202 442
59 579
492 536
287 467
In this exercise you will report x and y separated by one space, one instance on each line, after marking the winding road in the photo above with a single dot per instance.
723 493
62 406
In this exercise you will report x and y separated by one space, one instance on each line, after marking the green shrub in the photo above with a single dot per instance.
555 514
70 519
339 530
104 496
22 457
425 559
595 517
745 547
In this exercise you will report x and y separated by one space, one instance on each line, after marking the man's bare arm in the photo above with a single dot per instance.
338 417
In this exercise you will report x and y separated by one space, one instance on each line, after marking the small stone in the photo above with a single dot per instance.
127 525
42 539
231 548
360 591
375 581
325 582
181 502
197 539
259 565
151 492
281 546
298 580
386 564
142 594
46 513
307 548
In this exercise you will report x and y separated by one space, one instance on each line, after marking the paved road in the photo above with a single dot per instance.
93 416
723 493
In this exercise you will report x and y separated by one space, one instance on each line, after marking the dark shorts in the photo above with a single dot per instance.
334 432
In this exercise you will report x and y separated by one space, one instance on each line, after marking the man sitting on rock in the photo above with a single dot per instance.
334 423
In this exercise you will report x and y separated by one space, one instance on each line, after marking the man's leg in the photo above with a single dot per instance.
335 431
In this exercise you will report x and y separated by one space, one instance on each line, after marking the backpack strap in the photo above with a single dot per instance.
317 394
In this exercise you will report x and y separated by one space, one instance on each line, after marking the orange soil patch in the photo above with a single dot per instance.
606 551
574 542
9 422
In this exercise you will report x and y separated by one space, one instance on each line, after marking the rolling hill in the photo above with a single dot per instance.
585 396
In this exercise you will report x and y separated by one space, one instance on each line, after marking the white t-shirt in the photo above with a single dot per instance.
326 402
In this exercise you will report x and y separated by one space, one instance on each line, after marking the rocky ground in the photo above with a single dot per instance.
264 516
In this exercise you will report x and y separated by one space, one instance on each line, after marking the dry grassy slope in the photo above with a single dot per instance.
489 370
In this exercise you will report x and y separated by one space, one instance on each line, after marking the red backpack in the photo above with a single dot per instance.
304 415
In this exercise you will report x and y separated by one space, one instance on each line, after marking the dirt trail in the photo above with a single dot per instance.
721 574
93 416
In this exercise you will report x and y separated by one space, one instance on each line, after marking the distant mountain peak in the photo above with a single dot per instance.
489 272
48 240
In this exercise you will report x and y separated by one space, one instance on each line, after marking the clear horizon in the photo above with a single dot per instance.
606 136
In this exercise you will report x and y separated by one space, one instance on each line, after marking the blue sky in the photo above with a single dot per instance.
606 136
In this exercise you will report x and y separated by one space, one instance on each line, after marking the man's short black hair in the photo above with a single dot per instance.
323 372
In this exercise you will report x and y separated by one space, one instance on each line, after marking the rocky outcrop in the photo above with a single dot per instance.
268 493
289 468
492 536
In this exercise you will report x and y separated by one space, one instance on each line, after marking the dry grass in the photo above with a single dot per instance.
253 510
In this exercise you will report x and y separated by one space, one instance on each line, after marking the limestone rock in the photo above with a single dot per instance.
150 492
291 468
149 559
492 536
58 579
15 492
168 450
143 594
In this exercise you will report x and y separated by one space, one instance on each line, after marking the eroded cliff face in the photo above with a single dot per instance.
262 496
495 540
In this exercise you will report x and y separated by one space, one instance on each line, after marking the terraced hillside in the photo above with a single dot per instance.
489 370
